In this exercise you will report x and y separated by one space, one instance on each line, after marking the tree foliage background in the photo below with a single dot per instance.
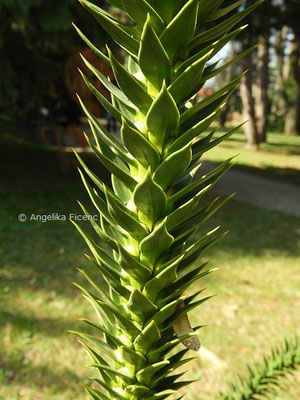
36 40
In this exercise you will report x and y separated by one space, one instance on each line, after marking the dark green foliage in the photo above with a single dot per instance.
36 39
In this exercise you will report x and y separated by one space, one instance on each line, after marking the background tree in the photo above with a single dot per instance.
41 34
255 84
285 99
275 28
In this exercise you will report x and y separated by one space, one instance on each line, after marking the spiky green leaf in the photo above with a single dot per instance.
155 244
162 118
125 219
138 11
140 305
223 27
138 145
182 27
132 88
153 59
149 335
182 87
173 166
124 36
150 200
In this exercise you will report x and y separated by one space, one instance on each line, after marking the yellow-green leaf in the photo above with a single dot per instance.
162 118
138 11
150 200
137 144
153 59
173 166
155 244
180 30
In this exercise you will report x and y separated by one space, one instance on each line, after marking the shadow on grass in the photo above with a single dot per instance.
286 149
37 376
50 252
286 175
35 183
236 142
28 166
281 144
46 326
256 231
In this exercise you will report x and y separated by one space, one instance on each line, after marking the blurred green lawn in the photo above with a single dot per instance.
257 284
279 158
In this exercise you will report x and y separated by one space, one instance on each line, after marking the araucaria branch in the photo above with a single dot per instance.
146 251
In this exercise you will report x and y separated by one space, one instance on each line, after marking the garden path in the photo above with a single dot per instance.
260 191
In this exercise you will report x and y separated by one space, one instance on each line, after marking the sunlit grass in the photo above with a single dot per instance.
279 158
257 291
257 286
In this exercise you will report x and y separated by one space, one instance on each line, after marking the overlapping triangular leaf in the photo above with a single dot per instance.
182 27
150 200
223 27
153 59
147 255
132 88
124 36
162 118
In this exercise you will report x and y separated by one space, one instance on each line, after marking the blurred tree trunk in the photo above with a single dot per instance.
292 119
280 102
295 61
247 97
228 77
298 111
262 84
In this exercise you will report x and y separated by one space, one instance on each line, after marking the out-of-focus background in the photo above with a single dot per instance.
258 281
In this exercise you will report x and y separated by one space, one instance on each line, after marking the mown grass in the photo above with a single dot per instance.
257 287
258 292
278 158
